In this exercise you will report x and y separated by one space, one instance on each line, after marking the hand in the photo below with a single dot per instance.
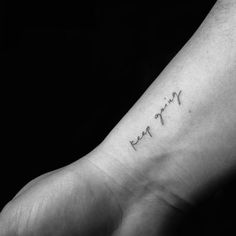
74 200
81 199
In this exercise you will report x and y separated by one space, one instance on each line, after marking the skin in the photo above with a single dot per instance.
120 190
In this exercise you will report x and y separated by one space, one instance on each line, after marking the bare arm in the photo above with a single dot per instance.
182 131
179 138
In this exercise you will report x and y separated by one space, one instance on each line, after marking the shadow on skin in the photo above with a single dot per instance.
213 213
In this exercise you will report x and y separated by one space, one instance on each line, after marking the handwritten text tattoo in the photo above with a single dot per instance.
175 98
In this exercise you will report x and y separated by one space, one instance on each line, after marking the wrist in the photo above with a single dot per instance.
136 193
134 183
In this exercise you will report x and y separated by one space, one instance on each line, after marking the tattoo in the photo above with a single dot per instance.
147 131
171 100
136 141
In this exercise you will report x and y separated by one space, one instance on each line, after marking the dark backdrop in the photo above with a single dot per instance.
71 70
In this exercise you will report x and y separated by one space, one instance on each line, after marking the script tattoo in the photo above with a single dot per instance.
175 96
145 132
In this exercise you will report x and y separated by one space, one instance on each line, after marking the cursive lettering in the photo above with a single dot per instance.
175 96
147 131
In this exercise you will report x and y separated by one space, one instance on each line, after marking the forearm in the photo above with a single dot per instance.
186 120
179 137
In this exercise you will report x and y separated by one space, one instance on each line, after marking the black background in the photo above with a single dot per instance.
71 70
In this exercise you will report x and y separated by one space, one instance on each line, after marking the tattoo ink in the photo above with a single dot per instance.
147 131
175 96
